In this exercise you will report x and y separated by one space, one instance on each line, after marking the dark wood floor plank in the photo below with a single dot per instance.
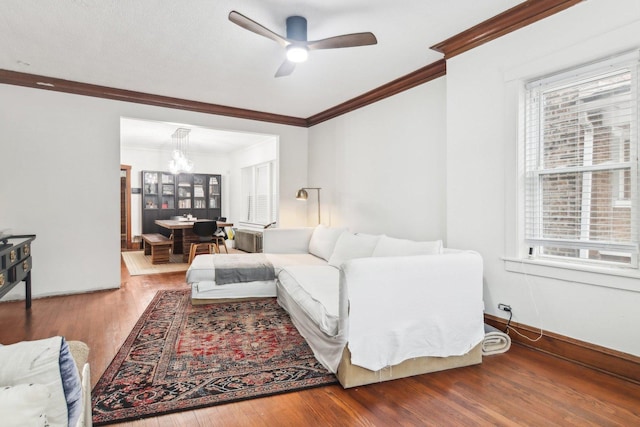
328 406
600 404
522 387
446 391
485 397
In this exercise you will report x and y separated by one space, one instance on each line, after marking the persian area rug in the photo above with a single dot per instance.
138 263
180 357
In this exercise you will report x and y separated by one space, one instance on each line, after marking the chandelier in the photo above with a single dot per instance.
179 161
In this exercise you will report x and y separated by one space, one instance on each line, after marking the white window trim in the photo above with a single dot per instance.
525 244
516 259
625 278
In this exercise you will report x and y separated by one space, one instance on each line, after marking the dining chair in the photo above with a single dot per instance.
204 230
219 236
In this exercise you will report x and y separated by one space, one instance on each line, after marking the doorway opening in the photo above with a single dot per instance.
147 146
125 208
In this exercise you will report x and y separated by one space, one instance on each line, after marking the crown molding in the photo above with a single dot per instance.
513 19
423 75
418 77
77 88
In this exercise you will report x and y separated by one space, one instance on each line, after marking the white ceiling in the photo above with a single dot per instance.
189 49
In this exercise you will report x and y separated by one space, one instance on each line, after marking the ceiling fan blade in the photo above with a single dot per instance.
346 40
286 68
253 26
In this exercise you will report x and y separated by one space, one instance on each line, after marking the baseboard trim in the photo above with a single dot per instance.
612 362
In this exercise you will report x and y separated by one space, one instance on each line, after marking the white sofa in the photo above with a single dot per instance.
381 308
45 382
372 308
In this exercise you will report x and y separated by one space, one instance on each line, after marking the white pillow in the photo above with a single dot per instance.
350 246
37 362
24 405
390 246
323 240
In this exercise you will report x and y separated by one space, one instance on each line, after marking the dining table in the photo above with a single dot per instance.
182 234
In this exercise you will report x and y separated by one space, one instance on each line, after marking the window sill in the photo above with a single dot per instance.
617 278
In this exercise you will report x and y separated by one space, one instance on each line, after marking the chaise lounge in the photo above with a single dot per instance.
372 308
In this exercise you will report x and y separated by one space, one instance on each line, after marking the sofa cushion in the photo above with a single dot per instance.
202 268
315 290
351 246
323 240
390 246
24 405
71 383
287 240
283 260
37 362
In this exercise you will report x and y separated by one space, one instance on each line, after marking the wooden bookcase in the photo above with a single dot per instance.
165 195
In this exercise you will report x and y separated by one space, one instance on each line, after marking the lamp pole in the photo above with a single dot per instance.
303 195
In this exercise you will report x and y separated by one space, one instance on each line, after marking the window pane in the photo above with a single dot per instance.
581 254
262 194
258 192
582 205
581 164
588 122
247 194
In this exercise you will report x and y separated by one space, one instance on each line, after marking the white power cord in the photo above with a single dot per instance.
535 307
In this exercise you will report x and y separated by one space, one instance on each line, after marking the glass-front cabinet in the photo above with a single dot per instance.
165 195
150 182
214 192
185 191
199 199
168 191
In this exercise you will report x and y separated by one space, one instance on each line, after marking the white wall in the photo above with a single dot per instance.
382 167
141 159
482 104
60 179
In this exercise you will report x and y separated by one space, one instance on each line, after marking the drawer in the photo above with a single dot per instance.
18 272
25 250
12 256
16 254
14 251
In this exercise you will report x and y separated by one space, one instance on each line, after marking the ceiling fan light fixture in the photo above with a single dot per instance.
297 53
296 42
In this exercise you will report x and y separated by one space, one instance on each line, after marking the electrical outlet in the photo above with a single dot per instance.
504 307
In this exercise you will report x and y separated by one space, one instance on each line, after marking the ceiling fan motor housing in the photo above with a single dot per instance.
297 28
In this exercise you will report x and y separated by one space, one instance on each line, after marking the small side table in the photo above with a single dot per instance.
15 264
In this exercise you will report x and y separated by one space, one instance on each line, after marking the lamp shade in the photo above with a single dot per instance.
302 194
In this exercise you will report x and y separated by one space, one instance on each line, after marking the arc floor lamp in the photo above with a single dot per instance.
303 195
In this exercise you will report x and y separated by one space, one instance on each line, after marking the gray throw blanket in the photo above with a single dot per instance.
238 268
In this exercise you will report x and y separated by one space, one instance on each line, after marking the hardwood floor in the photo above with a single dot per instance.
522 387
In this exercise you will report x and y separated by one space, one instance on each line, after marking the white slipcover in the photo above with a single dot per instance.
406 307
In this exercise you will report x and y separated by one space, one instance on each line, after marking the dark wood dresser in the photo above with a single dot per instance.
15 264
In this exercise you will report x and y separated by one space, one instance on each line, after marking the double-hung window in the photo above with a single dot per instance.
259 194
581 164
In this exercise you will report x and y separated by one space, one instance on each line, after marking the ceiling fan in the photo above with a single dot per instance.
296 42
